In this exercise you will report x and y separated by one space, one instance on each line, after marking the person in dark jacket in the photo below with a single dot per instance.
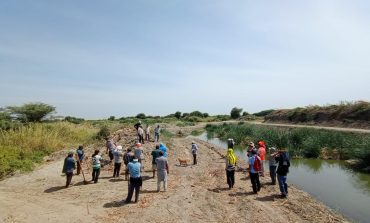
80 157
282 157
69 167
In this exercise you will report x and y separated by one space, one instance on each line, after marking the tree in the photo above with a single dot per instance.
205 115
178 115
141 116
32 112
111 118
185 115
196 113
74 120
235 112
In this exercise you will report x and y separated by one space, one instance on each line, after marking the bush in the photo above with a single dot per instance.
178 115
141 116
103 133
235 112
74 120
111 118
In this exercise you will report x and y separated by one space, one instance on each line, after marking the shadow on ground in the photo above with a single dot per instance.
115 204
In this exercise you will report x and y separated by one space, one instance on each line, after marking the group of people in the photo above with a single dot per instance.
145 134
278 165
133 159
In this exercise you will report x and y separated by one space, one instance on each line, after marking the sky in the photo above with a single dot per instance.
93 59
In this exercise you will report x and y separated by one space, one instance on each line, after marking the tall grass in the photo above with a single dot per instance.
306 142
20 148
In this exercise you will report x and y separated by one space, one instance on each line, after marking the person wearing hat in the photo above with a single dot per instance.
262 153
118 155
135 180
194 151
69 166
272 165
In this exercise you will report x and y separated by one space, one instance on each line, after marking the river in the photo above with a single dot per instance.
329 181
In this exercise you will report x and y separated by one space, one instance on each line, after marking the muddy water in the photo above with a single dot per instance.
331 182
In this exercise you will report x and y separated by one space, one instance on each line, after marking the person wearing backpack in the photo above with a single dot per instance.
282 157
254 168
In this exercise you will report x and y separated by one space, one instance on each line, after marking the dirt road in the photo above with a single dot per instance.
196 194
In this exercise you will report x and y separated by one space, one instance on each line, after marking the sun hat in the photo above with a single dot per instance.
119 147
135 160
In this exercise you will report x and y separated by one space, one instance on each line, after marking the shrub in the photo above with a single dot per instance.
103 133
235 112
178 115
141 116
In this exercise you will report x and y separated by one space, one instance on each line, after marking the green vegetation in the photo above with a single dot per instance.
345 112
31 112
235 113
197 132
28 144
306 142
73 120
263 113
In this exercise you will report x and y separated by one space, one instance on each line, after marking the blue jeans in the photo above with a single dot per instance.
282 184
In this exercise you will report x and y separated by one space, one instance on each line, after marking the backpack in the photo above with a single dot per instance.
257 165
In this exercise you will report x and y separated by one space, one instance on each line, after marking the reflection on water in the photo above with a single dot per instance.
328 180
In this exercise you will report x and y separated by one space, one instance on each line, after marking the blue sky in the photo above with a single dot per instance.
93 59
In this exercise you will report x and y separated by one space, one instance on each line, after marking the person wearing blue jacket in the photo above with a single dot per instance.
69 167
163 149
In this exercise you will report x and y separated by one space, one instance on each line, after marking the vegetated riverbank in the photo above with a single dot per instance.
28 144
301 142
346 114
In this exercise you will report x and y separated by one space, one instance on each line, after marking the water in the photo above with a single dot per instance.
329 181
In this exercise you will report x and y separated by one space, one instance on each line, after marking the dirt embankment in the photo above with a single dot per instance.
196 194
349 115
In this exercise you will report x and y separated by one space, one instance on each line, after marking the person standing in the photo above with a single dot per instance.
163 149
140 132
127 158
147 133
155 155
80 157
282 157
194 151
254 168
96 159
272 165
157 132
69 166
111 146
139 153
250 148
162 171
135 180
230 167
262 154
117 161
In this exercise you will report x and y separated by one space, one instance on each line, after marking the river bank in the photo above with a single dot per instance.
196 194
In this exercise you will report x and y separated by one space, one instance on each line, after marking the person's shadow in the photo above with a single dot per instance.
54 189
115 204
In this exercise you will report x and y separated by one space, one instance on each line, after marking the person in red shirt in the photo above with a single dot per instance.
262 155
